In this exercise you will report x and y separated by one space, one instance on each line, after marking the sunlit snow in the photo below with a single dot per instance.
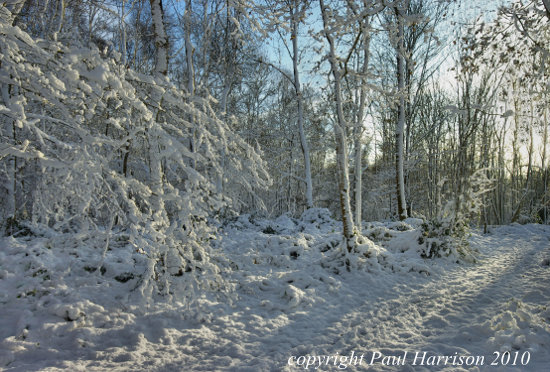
288 303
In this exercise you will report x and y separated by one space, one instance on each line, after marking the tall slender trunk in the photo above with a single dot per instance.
297 87
407 129
223 104
123 35
516 160
6 92
399 159
341 138
207 35
189 47
526 189
545 168
357 171
189 51
358 128
161 69
11 182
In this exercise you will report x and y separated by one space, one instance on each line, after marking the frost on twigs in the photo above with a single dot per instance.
447 234
439 239
103 155
359 253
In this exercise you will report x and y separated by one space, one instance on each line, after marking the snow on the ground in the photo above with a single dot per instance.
62 309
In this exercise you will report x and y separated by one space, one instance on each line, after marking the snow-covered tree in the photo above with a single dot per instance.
102 149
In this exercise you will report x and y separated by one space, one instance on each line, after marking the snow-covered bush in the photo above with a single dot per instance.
447 234
92 148
317 218
440 239
316 215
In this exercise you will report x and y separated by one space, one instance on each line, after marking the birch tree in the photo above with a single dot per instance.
75 111
399 153
362 14
161 69
340 129
294 13
297 12
12 101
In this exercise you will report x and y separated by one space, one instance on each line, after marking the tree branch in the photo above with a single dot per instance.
287 76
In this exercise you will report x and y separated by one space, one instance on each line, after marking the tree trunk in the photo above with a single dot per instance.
358 129
6 92
526 189
545 169
223 104
189 51
161 39
400 177
123 35
161 69
303 140
11 182
341 138
357 171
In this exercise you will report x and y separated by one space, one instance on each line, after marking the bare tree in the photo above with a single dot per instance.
297 13
161 69
340 131
399 153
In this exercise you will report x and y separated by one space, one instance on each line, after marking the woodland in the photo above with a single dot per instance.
270 185
154 123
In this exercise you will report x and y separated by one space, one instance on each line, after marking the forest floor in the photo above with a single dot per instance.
291 306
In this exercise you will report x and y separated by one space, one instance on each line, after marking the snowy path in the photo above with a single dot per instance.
457 312
290 306
446 314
